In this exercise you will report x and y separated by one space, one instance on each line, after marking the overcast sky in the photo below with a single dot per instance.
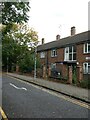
52 17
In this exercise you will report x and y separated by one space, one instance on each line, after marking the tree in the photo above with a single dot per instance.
13 12
17 39
26 64
18 45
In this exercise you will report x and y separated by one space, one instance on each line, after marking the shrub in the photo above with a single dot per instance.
85 84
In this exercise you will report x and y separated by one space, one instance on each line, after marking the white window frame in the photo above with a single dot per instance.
66 54
54 53
42 54
86 45
85 70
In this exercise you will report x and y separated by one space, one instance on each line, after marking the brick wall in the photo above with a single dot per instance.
80 56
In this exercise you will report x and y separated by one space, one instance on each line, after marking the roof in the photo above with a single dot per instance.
75 39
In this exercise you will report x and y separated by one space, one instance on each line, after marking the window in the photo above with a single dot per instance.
70 53
53 65
53 53
86 68
87 48
42 55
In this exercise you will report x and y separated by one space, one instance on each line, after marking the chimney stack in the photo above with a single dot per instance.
73 30
57 37
43 41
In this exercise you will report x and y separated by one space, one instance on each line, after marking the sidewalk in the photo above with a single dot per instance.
66 89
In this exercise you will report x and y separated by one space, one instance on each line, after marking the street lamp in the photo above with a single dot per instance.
35 60
35 63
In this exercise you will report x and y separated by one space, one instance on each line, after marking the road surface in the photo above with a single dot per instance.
24 100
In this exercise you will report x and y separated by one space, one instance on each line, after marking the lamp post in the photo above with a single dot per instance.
35 63
35 60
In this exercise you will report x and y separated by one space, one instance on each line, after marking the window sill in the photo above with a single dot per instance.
42 58
86 53
54 56
86 73
71 60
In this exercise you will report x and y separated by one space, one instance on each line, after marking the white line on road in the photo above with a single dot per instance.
22 88
83 104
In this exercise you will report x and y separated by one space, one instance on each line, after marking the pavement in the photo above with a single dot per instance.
66 89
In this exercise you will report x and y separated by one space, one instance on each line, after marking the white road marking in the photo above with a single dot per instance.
77 102
22 88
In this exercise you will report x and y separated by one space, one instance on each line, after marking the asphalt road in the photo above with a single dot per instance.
22 100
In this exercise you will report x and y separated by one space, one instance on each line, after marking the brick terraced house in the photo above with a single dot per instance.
68 58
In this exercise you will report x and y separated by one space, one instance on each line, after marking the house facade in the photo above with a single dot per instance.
68 57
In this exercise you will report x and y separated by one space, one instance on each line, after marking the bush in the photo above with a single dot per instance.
27 63
85 84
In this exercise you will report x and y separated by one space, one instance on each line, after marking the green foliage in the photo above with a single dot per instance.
27 63
85 83
18 40
74 78
14 12
18 45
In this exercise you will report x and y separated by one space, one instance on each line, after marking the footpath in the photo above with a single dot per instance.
66 89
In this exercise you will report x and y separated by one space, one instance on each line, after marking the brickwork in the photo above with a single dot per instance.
49 71
44 72
59 59
79 73
70 75
81 56
60 53
65 71
17 68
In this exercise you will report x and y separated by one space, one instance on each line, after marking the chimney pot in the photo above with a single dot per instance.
57 37
73 30
43 41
